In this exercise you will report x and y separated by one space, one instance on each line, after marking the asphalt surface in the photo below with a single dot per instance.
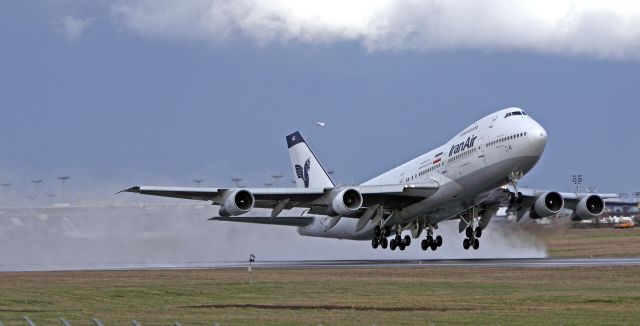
457 263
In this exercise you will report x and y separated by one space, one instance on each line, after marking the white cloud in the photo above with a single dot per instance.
72 28
606 29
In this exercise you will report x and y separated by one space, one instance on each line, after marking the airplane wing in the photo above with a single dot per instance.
318 199
537 203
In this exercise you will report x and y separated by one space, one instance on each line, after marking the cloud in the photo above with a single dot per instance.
72 28
604 29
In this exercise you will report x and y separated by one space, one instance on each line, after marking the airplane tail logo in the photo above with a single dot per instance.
304 173
311 173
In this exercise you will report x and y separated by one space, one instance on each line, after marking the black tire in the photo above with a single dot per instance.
439 241
478 232
476 244
424 245
466 244
398 239
469 232
377 231
384 243
434 246
374 243
407 240
392 244
402 246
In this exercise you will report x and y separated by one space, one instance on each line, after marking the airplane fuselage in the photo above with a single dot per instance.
474 163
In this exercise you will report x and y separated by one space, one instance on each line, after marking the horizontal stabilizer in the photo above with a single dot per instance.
281 220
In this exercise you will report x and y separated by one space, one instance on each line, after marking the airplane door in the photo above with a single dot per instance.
481 151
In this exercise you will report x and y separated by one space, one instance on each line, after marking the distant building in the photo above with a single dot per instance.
616 206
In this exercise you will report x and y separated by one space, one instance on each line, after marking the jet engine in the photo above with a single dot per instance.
588 207
547 204
236 202
345 202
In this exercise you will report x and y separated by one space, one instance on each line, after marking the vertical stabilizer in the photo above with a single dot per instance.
307 170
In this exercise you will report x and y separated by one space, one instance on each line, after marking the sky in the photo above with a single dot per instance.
157 92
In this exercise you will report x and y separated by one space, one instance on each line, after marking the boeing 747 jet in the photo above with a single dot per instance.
467 179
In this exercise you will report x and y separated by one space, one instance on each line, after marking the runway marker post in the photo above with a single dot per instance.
252 258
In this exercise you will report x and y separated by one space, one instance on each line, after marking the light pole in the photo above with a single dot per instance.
276 178
237 180
63 180
198 182
576 179
36 186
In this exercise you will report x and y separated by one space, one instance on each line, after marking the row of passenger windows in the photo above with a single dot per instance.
463 154
421 173
504 139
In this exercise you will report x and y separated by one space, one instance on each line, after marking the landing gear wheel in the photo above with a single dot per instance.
424 244
384 243
439 241
407 240
478 232
466 244
434 246
374 243
469 232
476 244
377 231
392 244
401 246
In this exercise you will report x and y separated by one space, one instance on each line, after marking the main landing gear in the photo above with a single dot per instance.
472 238
399 242
380 238
431 242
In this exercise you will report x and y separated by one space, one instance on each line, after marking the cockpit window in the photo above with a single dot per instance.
515 113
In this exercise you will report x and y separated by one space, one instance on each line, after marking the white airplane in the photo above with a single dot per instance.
466 179
320 124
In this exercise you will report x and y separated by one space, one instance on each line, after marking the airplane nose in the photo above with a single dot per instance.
537 138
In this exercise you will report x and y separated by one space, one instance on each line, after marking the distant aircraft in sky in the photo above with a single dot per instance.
467 179
320 124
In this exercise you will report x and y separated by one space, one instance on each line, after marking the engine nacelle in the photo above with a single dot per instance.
588 207
547 204
346 202
236 202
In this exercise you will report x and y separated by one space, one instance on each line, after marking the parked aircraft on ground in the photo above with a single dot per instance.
466 179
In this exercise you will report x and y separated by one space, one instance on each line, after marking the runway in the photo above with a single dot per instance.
320 264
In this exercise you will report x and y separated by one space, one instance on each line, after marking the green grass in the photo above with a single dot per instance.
593 242
567 296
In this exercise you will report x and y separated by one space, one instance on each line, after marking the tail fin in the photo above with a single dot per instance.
308 171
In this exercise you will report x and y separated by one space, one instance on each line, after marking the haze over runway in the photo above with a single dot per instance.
124 92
